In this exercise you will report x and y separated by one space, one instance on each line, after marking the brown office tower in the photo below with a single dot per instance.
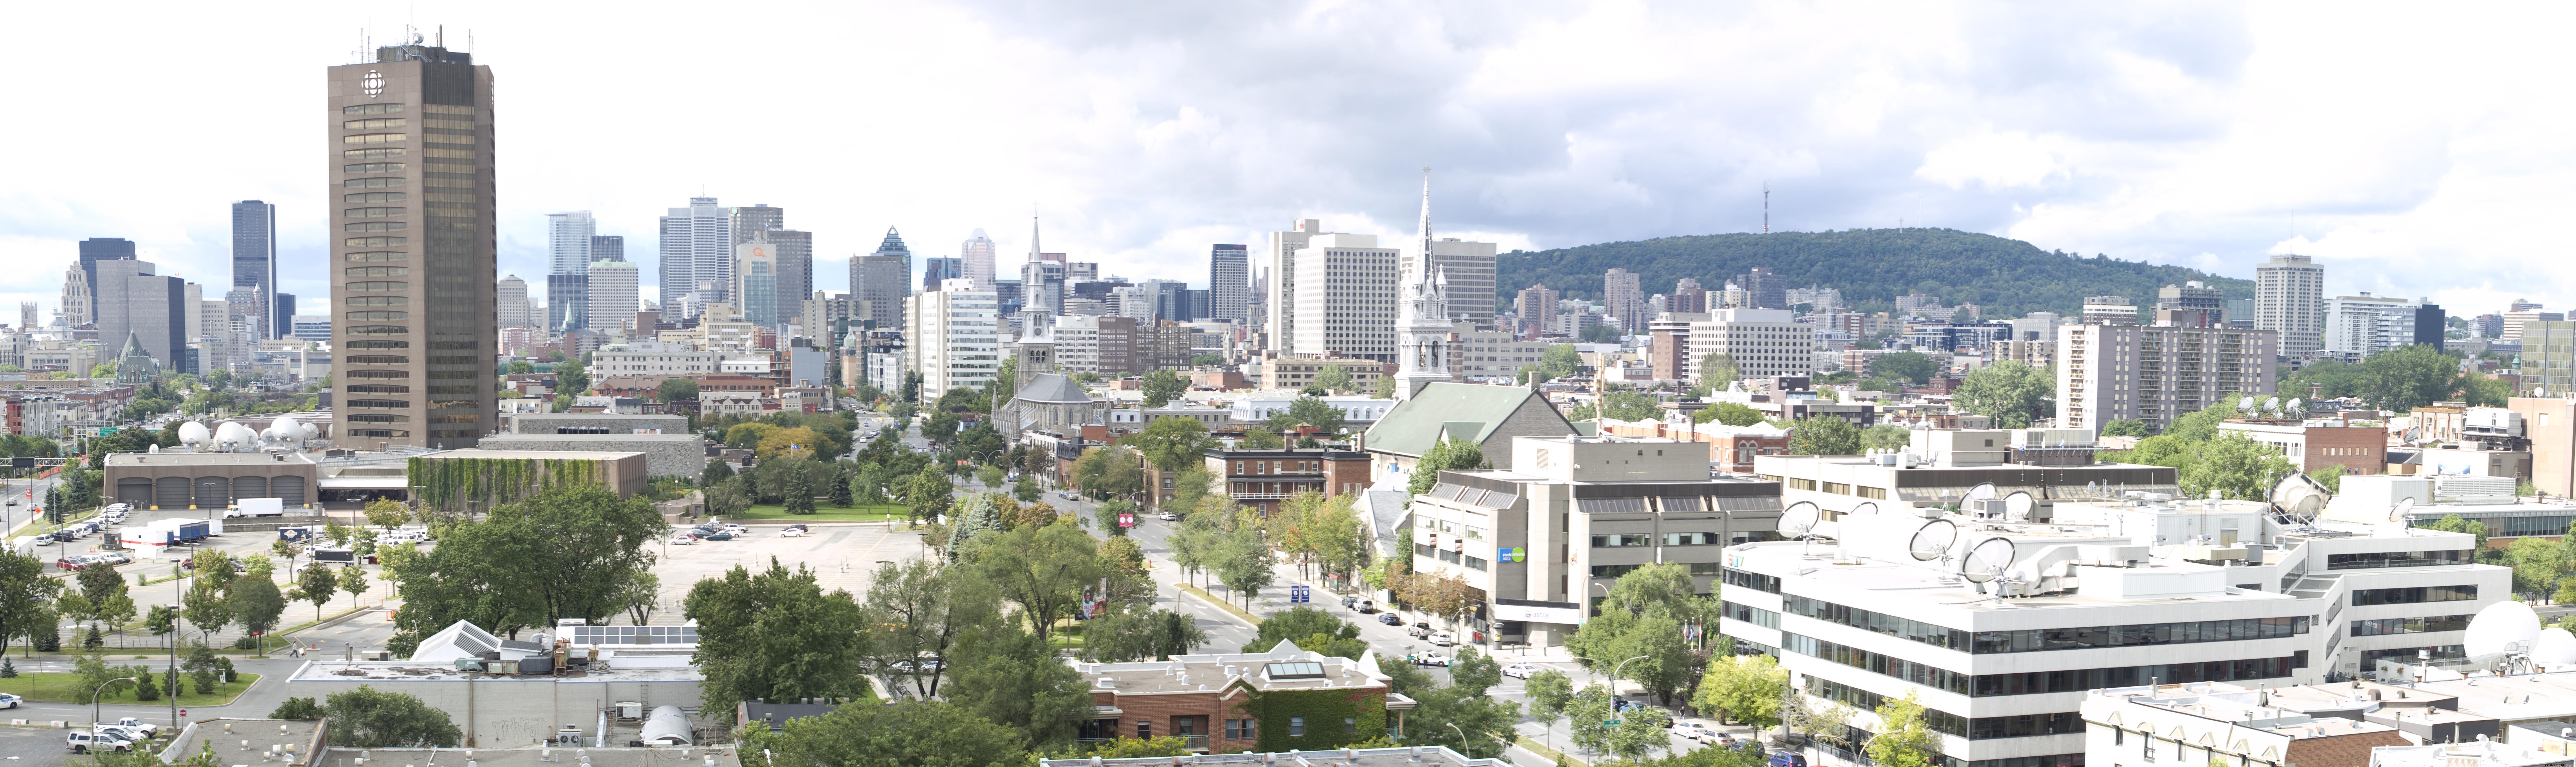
414 325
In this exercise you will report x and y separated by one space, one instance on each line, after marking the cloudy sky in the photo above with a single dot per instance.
2414 152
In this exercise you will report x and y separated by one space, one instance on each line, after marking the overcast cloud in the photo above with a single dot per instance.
2414 152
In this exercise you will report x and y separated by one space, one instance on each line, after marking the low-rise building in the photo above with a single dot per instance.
1260 479
1357 412
186 480
1941 466
2311 445
1297 371
2212 722
1209 701
1488 416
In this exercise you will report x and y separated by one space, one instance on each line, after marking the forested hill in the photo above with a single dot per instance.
2008 278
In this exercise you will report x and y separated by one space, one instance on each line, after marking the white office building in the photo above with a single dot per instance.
313 327
1279 257
1346 297
613 295
1229 283
2359 327
2156 373
1763 342
2100 594
2290 299
955 337
510 301
697 253
1490 355
652 358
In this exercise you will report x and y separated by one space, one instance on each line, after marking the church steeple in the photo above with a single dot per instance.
1422 318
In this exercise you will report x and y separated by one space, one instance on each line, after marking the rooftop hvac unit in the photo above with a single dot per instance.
628 711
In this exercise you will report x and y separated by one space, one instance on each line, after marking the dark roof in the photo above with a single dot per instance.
1053 389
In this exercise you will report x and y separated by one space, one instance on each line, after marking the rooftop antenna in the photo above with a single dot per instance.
1766 207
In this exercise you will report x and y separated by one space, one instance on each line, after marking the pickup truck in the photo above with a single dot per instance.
146 728
85 742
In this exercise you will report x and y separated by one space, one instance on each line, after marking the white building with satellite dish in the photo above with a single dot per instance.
2002 617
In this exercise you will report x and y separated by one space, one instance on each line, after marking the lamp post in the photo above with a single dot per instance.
94 693
1614 670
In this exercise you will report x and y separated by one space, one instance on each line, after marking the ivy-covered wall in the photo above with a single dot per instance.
447 483
1324 711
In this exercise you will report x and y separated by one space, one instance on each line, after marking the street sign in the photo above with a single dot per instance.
1298 594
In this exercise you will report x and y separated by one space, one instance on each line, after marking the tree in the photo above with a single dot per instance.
1262 439
1295 625
729 497
2485 391
1903 738
1334 378
1309 410
1626 405
1728 413
1911 367
717 471
1717 370
318 584
1163 386
1451 454
257 604
928 495
1824 435
1243 564
1140 634
1634 734
2409 377
1747 688
2234 465
1044 570
2125 427
1172 443
371 718
387 513
774 635
905 734
800 493
1008 675
841 478
919 609
676 390
1885 437
2454 523
297 709
2011 393
1550 692
568 547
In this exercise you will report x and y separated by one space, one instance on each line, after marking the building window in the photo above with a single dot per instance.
1475 564
1296 727
1837 488
1624 539
1450 557
1691 539
1873 492
1802 484
1612 571
1350 726
1145 729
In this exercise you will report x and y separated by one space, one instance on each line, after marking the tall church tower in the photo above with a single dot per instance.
1422 321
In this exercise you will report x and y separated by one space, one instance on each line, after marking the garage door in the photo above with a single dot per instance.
170 492
250 487
288 489
213 492
134 490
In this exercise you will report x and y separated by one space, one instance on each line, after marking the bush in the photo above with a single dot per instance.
245 643
305 709
49 641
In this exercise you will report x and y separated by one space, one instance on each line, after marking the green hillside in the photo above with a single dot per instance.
2009 278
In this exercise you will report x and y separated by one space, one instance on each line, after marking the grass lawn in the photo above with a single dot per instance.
66 688
825 513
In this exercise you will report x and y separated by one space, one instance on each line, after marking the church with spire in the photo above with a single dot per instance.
1423 325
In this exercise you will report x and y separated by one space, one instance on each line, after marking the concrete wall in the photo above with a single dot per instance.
501 712
615 423
665 455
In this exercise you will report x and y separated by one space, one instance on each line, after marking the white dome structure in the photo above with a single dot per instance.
2501 628
306 432
233 436
2555 647
193 434
283 430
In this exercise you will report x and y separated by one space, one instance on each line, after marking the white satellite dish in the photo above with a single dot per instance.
1986 560
2293 406
2554 647
2503 627
194 434
1799 519
1932 540
1984 491
2273 404
232 435
2397 513
1865 509
2246 404
2299 498
2018 505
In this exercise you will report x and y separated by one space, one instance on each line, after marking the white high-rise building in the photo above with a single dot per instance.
1346 297
2290 299
1763 342
953 337
2155 373
510 300
615 287
697 252
1280 296
2365 325
977 254
1623 292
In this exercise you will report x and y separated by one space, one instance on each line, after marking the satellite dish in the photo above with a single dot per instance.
194 434
2503 627
2017 506
2398 512
2273 404
1865 508
2246 404
1984 491
1987 560
2294 406
1932 540
2298 497
2554 647
1800 518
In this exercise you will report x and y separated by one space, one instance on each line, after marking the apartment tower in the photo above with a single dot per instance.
2290 300
409 159
1229 283
880 280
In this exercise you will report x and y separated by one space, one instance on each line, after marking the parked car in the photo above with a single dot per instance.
119 558
85 742
1429 659
683 539
72 562
1068 496
1519 670
9 701
792 532
1786 759
1418 631
128 734
1168 517
1391 619
1348 601
719 535
46 540
733 528
1443 639
1365 607
799 526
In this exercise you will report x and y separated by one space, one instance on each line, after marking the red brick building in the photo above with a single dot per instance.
1308 701
1262 478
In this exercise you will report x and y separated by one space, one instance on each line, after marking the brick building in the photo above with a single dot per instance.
1306 701
2358 449
1731 448
1262 478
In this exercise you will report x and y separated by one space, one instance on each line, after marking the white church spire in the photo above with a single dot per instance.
1422 318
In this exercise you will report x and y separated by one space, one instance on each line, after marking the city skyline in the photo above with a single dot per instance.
2006 168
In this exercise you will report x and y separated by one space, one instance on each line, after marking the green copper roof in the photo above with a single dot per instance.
1465 410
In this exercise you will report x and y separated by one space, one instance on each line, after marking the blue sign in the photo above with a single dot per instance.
1512 554
1297 594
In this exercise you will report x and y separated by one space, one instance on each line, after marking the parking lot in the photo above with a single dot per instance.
842 555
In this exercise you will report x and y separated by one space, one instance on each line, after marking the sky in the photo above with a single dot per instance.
2413 151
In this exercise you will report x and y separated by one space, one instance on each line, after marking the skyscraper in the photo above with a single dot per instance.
791 251
755 279
1346 297
135 299
568 237
1229 283
1764 290
697 252
612 295
510 302
2290 299
1626 299
78 298
976 254
608 247
414 325
881 279
936 270
255 259
1280 258
94 250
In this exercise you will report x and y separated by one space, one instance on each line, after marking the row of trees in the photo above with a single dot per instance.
2399 380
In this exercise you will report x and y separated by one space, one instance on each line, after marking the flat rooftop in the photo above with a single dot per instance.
183 458
2240 706
1507 475
723 755
1400 756
1285 667
542 436
1823 568
227 737
409 671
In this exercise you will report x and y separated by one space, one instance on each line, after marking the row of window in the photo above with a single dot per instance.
2386 626
1983 728
2037 682
1755 581
373 167
2414 594
2397 559
375 226
373 183
372 109
2035 640
1753 615
375 197
377 271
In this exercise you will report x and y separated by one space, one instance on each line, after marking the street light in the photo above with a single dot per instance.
102 686
1614 670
